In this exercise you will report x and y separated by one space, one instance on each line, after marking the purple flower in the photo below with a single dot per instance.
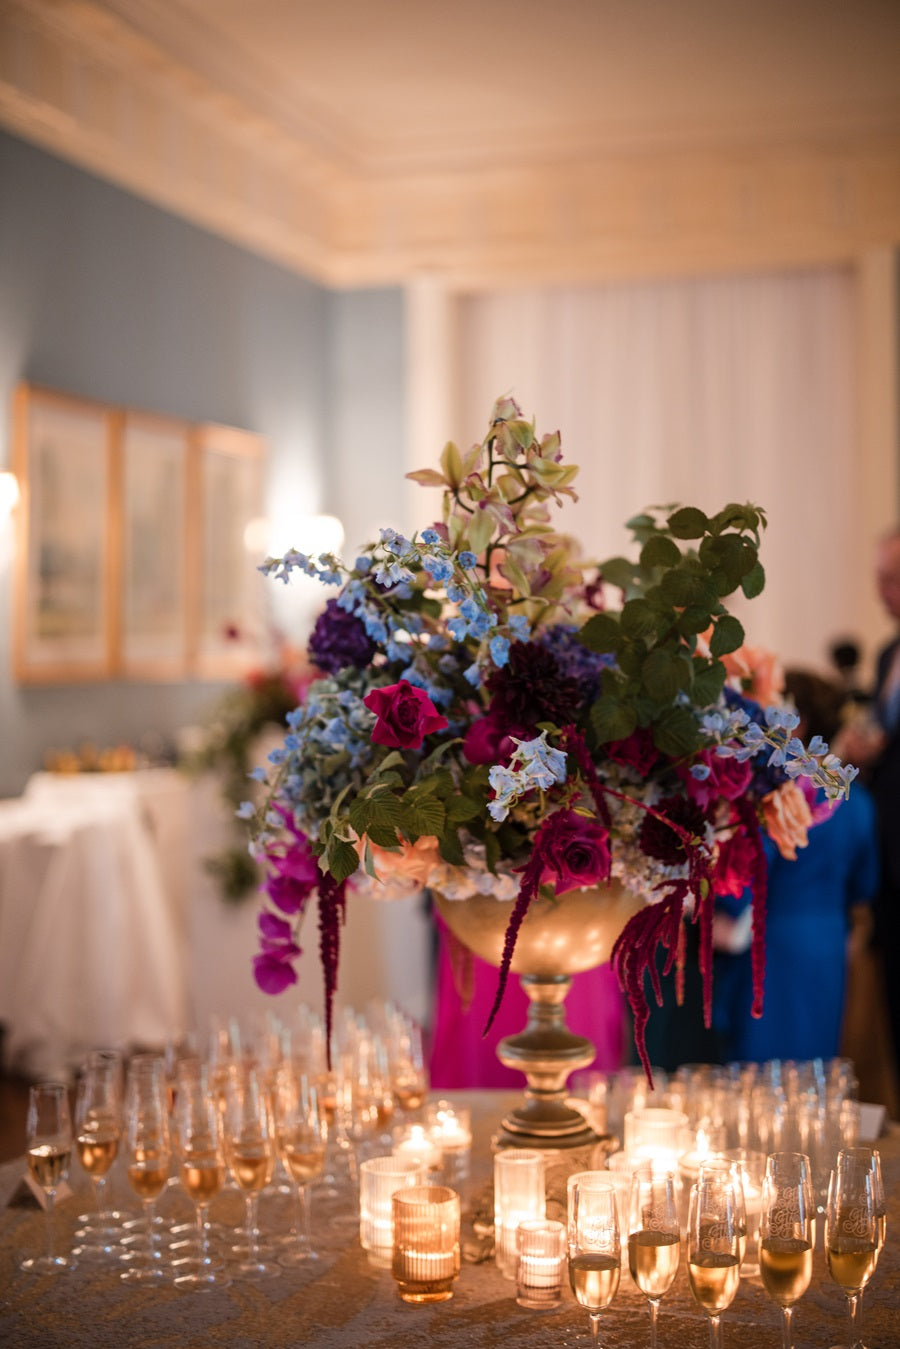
575 851
339 640
274 973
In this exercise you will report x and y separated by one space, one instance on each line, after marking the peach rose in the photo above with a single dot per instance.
758 671
787 817
413 862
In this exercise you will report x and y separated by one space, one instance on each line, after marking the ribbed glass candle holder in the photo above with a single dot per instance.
425 1259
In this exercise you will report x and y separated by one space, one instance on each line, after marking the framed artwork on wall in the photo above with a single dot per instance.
152 580
63 456
228 599
134 554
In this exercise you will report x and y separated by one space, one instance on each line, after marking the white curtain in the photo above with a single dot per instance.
698 391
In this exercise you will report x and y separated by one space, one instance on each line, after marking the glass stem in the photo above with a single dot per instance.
51 1195
303 1237
787 1337
654 1316
252 1239
201 1233
295 1221
149 1210
853 1300
715 1332
595 1328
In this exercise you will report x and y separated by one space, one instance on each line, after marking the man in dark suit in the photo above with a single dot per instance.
878 751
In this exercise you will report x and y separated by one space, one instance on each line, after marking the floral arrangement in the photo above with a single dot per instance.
498 714
226 746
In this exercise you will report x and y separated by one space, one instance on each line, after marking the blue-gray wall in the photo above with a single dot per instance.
105 296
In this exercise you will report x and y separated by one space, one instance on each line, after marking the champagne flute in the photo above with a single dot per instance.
654 1237
714 1246
98 1131
250 1152
595 1254
851 1229
48 1132
148 1155
201 1173
300 1135
786 1233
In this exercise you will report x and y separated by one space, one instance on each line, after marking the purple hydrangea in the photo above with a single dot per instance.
339 640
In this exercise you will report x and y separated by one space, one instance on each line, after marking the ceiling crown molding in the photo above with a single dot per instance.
78 78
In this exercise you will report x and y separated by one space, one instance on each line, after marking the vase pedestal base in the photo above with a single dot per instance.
546 1052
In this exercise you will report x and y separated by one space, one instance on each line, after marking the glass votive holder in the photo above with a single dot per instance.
379 1177
540 1263
450 1128
519 1194
425 1259
656 1135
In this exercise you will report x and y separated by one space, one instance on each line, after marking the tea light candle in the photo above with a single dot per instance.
379 1177
414 1142
541 1262
518 1195
450 1130
425 1259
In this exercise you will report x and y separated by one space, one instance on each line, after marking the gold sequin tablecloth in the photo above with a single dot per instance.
342 1302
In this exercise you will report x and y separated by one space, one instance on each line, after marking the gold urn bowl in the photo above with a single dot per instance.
558 938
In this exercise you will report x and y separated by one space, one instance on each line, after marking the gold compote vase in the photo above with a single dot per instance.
558 938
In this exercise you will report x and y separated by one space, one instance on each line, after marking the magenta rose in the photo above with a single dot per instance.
486 741
636 751
575 851
405 715
727 778
735 865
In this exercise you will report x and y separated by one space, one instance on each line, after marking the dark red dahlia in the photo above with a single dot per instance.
532 689
658 840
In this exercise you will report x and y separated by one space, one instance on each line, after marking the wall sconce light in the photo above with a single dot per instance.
9 495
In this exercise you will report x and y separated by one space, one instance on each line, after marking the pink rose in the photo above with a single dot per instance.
727 778
414 861
575 851
405 715
757 672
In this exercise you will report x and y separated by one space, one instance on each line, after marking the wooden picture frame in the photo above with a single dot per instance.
151 582
227 600
64 459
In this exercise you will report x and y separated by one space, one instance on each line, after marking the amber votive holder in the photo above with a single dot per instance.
425 1260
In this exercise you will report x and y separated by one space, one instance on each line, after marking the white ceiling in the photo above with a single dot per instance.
368 139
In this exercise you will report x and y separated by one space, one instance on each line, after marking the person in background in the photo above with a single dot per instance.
808 913
462 1057
875 747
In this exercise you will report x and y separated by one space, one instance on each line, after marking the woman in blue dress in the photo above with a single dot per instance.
807 920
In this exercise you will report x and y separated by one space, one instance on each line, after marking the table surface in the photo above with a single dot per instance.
342 1301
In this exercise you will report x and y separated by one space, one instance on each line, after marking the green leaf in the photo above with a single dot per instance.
460 808
728 635
664 673
479 529
688 523
639 618
709 677
693 620
754 581
675 732
601 633
620 572
424 815
393 760
686 587
631 659
450 849
660 551
342 858
385 836
612 720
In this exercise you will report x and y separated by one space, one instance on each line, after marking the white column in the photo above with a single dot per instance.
432 380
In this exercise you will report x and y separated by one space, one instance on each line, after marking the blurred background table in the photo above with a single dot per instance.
342 1302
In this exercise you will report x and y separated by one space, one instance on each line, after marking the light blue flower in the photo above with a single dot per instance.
245 811
467 560
499 648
